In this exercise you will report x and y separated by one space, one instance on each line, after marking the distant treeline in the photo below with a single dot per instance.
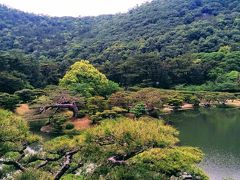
191 44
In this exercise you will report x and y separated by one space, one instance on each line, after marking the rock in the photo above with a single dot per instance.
173 178
187 176
31 151
90 168
187 106
167 109
46 129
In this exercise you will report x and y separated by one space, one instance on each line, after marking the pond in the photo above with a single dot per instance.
216 132
35 128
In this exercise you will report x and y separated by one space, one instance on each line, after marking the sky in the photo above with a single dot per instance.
73 7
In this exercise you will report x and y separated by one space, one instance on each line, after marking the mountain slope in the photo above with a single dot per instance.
153 32
162 26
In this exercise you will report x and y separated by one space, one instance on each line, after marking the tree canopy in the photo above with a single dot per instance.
151 45
116 149
87 80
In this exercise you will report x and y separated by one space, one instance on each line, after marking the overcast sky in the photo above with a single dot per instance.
73 7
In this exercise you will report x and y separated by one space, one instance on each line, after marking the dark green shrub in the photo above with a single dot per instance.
8 101
175 101
58 123
154 113
27 95
138 110
96 104
192 99
69 126
82 113
12 81
107 114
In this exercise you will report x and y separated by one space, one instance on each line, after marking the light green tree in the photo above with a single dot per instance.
115 149
87 80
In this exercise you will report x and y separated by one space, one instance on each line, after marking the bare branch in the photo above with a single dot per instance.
16 164
44 163
66 164
73 107
113 160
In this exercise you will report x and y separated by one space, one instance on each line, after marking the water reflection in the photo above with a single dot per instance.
216 131
35 128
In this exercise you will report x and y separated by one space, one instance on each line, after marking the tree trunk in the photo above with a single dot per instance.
73 107
16 164
66 164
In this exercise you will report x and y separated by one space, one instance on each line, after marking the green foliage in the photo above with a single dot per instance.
8 101
155 113
225 49
191 44
95 104
153 99
125 136
110 88
137 143
170 161
120 99
150 96
33 174
106 114
119 110
60 145
192 99
5 171
14 132
82 113
12 82
57 123
18 71
27 95
134 173
171 27
159 44
87 80
176 101
138 110
69 126
72 177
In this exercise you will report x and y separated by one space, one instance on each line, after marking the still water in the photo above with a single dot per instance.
35 128
217 132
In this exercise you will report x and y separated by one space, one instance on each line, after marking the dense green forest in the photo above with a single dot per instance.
161 44
100 85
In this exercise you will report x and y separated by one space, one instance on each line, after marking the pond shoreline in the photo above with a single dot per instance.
187 106
216 132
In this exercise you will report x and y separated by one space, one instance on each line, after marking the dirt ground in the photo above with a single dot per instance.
235 103
81 123
22 110
187 106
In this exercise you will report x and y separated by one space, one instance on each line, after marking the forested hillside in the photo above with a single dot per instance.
89 97
156 44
